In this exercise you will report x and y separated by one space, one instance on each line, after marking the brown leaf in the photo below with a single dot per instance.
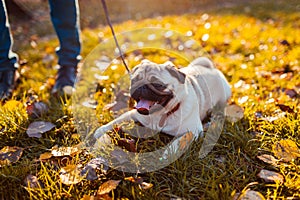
70 175
45 156
108 186
36 109
285 108
9 155
132 179
270 176
268 159
65 151
251 195
128 144
234 113
286 150
35 129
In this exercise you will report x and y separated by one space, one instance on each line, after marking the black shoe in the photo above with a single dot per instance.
7 83
65 80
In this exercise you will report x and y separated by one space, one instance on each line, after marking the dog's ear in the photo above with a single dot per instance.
170 67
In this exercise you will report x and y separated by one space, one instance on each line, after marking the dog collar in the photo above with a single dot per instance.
173 110
164 117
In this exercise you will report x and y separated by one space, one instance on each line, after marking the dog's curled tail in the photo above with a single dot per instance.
203 61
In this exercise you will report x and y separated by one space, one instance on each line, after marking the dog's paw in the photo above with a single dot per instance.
101 131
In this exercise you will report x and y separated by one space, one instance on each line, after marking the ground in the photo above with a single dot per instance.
256 46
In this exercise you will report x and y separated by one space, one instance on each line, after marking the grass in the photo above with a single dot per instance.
258 51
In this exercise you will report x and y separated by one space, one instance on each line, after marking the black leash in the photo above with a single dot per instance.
114 35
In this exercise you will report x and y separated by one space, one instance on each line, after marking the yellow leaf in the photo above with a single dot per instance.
185 140
70 175
108 186
65 151
45 156
286 150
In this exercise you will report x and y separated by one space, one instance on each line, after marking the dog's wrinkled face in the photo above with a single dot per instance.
153 85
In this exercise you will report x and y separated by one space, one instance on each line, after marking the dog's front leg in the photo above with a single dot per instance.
130 115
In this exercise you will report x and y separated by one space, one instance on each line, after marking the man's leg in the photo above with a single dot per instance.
65 19
8 59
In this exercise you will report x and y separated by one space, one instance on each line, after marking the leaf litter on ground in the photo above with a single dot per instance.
37 128
10 155
286 150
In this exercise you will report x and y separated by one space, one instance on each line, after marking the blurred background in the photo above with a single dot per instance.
30 18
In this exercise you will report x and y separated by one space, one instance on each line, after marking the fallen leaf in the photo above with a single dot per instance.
270 176
268 159
286 150
70 175
128 144
132 179
32 181
145 186
291 93
108 186
65 151
285 108
35 129
45 156
185 140
36 109
9 155
90 168
234 113
251 195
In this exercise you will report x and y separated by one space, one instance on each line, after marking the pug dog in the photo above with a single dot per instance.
171 100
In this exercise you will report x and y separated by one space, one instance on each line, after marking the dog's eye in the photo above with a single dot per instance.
158 86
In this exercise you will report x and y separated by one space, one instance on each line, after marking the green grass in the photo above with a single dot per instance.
246 43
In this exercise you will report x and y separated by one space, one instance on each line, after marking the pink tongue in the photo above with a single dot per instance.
144 104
